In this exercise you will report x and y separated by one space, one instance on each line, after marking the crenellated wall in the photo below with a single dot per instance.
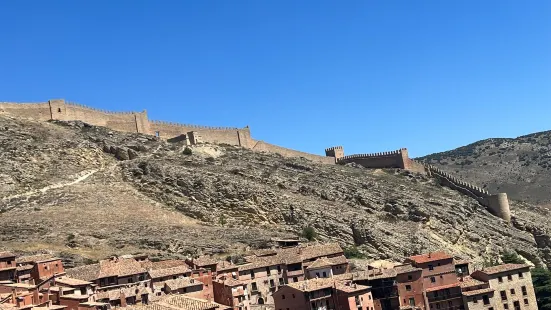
38 111
497 204
392 159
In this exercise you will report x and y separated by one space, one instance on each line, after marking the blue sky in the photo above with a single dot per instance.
369 75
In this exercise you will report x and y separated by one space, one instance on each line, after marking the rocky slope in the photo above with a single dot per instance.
88 192
520 167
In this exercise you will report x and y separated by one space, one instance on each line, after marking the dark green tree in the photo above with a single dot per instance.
353 252
541 278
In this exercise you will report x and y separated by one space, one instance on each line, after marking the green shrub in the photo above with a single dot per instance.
353 252
187 151
309 233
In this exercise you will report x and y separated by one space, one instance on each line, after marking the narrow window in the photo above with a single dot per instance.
59 110
525 301
510 277
505 306
431 267
432 279
157 133
324 274
500 279
282 296
491 308
412 301
408 287
503 295
520 274
512 291
475 300
524 291
486 300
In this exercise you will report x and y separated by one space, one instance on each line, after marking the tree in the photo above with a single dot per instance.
541 278
309 233
511 258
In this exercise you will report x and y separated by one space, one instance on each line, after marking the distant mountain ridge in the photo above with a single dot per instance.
519 166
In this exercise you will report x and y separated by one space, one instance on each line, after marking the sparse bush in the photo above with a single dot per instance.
353 252
187 151
511 258
309 233
222 220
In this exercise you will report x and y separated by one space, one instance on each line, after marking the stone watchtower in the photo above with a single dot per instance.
337 152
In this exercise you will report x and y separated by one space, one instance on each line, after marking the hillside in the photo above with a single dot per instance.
87 192
520 167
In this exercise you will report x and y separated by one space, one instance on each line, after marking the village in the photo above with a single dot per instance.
288 276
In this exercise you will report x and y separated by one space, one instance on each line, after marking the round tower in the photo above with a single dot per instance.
499 206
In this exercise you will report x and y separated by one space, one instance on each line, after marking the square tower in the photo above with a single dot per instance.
337 152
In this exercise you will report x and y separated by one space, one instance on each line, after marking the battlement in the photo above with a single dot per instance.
333 148
195 126
372 155
81 106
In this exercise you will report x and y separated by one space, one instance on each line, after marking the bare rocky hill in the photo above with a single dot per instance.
520 167
89 192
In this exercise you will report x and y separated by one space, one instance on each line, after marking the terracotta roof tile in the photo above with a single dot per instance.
312 284
348 287
29 259
470 282
320 263
478 292
181 283
231 282
430 257
85 273
225 265
188 303
503 268
71 281
204 261
167 272
442 287
119 267
6 254
406 268
314 251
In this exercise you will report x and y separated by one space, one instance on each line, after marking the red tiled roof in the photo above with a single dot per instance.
6 254
166 272
503 268
119 267
430 257
312 284
204 261
470 282
348 287
442 287
478 292
187 303
86 273
29 259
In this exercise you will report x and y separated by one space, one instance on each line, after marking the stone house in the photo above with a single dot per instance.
327 267
323 294
511 284
8 267
231 292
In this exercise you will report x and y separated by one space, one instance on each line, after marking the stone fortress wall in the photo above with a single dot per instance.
497 204
138 122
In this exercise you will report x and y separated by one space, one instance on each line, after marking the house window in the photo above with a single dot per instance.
475 300
510 277
281 282
412 301
317 274
524 291
520 274
503 295
437 306
410 277
253 286
295 279
272 283
59 110
324 274
486 300
268 270
505 306
512 291
491 308
282 296
432 279
408 287
525 301
500 279
278 269
252 274
431 267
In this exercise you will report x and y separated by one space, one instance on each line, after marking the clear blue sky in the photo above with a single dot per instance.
369 75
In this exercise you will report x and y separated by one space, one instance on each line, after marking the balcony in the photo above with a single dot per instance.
295 273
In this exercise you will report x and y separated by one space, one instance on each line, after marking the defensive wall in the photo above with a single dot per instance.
138 122
125 121
497 204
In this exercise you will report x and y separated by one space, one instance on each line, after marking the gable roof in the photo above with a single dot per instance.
187 303
166 272
6 254
312 284
119 267
430 257
319 250
320 263
502 268
85 273
29 259
349 287
181 283
204 261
